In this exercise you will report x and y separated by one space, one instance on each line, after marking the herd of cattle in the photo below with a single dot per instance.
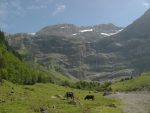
87 97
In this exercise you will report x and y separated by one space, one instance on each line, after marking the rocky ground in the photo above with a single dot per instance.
134 102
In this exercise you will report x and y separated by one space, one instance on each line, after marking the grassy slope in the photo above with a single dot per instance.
59 75
15 70
14 67
139 83
24 52
29 99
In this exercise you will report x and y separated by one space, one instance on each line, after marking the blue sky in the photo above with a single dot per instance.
32 15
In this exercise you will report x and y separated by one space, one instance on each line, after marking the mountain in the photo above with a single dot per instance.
139 28
99 52
82 32
131 46
71 29
66 47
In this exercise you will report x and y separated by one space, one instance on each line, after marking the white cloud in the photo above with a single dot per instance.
146 3
35 7
46 1
59 9
39 4
14 7
19 7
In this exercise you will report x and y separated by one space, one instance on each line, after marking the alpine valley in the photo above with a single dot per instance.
98 53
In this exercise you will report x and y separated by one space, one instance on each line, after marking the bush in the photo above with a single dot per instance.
95 86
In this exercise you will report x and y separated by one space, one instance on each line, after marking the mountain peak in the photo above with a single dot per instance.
69 30
138 29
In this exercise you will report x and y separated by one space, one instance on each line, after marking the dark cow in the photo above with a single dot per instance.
88 97
69 95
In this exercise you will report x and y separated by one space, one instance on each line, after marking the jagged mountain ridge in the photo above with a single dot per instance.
69 30
66 45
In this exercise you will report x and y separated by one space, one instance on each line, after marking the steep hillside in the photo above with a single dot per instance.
130 47
15 70
136 84
139 29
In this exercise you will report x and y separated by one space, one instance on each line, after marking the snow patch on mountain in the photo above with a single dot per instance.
86 30
31 33
118 44
109 34
105 34
74 34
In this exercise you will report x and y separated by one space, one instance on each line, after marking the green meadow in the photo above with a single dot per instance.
139 83
49 98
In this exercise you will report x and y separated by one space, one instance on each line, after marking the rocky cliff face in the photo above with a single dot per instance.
131 46
99 52
65 46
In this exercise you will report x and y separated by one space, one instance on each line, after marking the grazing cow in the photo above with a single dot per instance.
89 97
69 95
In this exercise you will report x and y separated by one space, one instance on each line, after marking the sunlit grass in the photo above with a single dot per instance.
29 99
138 83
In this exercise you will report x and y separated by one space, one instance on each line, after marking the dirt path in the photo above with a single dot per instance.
135 102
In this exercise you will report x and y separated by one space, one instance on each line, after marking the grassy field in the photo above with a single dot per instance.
48 98
139 83
24 52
